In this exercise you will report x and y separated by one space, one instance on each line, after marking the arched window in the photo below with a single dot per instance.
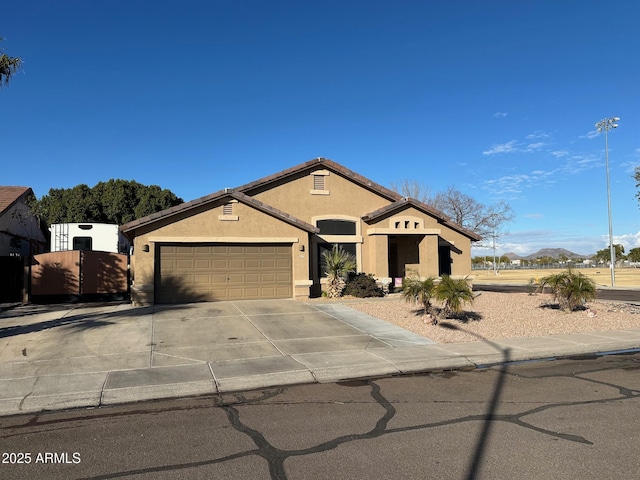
336 227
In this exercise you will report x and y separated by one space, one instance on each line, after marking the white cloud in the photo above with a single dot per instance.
536 135
628 240
534 215
560 153
630 167
591 134
501 148
534 146
511 185
499 114
580 163
515 146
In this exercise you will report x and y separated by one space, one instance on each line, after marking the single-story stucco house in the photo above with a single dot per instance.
265 239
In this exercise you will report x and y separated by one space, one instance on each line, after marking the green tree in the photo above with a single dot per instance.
454 293
115 201
337 264
634 255
8 67
570 289
604 255
545 260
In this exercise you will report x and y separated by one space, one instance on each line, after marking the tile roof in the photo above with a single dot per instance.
322 163
406 202
243 194
10 195
227 192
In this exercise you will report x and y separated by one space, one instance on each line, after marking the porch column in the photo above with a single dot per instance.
379 256
428 249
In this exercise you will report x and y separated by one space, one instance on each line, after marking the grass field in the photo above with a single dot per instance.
625 277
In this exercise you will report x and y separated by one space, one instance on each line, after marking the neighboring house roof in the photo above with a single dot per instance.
407 202
214 197
9 196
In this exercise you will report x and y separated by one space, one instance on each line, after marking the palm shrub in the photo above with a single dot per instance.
570 289
454 293
419 291
337 263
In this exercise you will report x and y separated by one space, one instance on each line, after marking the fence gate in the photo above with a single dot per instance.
76 273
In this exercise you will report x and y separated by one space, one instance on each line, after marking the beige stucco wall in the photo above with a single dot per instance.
246 225
342 196
342 199
461 262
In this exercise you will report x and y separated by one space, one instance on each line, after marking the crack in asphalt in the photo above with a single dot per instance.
276 457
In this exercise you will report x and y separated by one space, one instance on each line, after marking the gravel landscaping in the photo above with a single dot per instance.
495 316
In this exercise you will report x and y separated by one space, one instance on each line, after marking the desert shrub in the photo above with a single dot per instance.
570 289
419 291
362 285
454 293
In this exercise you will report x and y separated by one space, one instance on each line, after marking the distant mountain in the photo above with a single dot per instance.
546 252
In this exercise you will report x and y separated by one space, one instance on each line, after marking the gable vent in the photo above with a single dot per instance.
318 182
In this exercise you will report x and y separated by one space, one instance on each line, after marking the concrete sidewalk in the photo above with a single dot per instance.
62 356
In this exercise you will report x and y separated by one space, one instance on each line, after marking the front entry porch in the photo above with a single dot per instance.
411 254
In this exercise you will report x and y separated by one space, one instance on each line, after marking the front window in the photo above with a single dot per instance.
336 227
326 247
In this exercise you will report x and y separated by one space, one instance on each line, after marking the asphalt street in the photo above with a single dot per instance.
613 294
574 418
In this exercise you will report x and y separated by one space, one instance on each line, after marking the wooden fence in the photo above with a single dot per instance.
80 273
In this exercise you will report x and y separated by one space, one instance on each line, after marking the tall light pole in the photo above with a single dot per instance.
605 125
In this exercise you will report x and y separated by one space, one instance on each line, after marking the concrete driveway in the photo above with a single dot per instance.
59 356
63 356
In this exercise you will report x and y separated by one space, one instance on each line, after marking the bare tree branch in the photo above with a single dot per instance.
488 221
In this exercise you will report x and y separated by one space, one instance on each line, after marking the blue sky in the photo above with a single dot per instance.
496 98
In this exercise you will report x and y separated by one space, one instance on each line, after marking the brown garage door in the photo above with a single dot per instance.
209 272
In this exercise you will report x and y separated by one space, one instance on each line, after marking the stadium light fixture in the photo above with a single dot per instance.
605 125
